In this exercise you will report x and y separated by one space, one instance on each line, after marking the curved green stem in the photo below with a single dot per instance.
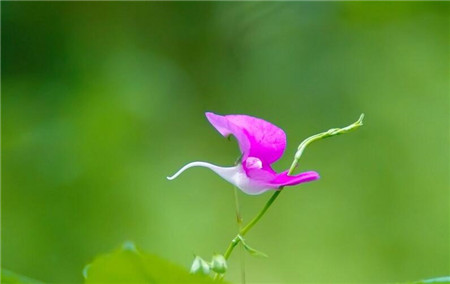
250 225
326 134
240 224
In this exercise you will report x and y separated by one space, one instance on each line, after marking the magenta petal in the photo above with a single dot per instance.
284 179
256 137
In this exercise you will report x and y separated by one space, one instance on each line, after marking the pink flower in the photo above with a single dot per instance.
261 144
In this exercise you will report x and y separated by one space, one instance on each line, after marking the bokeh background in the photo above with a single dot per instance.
101 101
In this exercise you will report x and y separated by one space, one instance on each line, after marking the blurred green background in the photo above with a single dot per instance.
102 101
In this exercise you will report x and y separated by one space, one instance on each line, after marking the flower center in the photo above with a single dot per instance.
253 163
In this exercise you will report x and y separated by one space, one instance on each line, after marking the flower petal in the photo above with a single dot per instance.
283 179
226 173
267 179
252 181
234 175
256 137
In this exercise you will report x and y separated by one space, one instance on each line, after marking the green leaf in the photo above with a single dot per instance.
251 250
129 265
13 278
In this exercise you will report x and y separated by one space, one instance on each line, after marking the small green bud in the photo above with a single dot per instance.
219 264
200 266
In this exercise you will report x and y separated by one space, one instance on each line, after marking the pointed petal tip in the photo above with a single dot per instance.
174 176
221 171
286 180
212 117
209 114
312 176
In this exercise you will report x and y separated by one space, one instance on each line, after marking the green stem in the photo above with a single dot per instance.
323 135
298 154
255 220
250 225
239 223
238 212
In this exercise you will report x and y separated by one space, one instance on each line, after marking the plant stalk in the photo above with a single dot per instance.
298 154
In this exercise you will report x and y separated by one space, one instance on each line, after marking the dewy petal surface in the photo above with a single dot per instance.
256 137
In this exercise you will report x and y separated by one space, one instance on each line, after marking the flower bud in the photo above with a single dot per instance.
219 264
200 266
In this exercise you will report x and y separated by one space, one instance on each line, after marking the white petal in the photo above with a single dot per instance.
234 175
226 173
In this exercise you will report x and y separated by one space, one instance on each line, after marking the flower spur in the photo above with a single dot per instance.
261 144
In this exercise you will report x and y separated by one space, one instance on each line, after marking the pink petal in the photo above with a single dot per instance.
283 179
267 179
256 137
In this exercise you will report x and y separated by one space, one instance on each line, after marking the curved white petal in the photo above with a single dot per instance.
225 173
234 175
